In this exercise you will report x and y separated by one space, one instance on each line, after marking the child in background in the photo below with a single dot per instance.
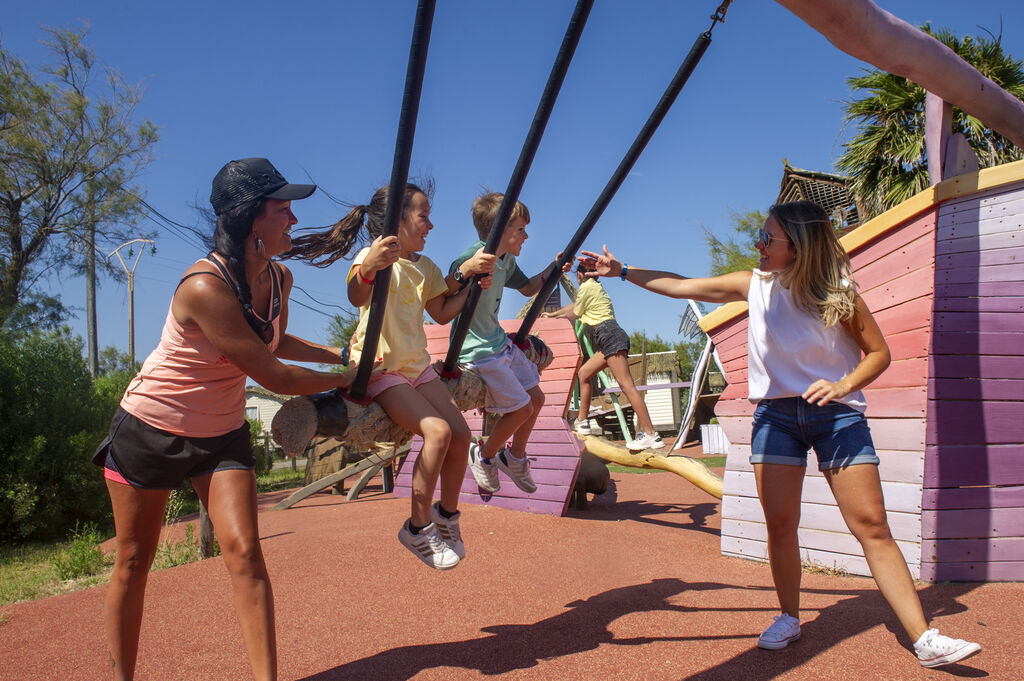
409 389
512 380
610 343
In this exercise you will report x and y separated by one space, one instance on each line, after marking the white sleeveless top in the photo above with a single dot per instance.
788 349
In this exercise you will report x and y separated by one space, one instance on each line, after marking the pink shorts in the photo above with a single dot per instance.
390 379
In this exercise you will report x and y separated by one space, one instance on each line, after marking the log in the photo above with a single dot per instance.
691 469
330 414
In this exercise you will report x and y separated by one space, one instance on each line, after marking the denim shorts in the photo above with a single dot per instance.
142 456
507 375
786 428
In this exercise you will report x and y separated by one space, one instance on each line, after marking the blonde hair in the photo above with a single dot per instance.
821 278
485 209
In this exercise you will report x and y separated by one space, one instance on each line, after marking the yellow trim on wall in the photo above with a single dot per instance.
954 187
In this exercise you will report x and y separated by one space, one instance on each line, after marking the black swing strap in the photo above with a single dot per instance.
515 184
662 108
396 190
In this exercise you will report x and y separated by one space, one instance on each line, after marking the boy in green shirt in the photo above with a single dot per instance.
512 380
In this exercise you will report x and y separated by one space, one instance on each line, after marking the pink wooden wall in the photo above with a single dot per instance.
973 499
553 450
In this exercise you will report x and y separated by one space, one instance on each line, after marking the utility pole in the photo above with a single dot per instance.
131 293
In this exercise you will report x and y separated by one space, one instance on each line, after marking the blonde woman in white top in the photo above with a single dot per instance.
812 345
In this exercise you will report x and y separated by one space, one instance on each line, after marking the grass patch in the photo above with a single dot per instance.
280 478
82 557
617 468
812 567
30 571
712 461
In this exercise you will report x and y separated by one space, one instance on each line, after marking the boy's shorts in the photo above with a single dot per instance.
382 382
508 374
137 454
785 428
608 338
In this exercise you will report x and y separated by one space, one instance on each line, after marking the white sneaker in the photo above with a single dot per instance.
429 547
934 650
583 427
518 470
448 528
485 474
645 441
783 631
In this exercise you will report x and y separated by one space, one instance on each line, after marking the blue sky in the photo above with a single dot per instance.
316 87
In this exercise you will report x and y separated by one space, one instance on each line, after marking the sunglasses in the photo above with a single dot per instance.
764 236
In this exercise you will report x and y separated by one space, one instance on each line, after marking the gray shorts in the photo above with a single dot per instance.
508 375
608 338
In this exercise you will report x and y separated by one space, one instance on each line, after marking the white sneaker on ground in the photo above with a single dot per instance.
485 474
783 631
934 650
448 528
645 441
583 427
518 470
428 546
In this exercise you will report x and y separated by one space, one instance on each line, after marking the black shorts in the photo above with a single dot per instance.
608 338
151 458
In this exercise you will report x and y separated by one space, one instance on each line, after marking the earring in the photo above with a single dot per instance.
258 243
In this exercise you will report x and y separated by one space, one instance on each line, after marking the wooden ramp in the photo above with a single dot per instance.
554 451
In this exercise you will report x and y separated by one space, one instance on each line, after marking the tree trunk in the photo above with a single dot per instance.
90 287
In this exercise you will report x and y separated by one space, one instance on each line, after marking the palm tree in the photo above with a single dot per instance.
886 160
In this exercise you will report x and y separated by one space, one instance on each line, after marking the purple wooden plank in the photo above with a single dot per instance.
989 273
985 289
1003 571
973 497
979 464
991 322
953 422
975 343
978 258
985 366
971 523
978 304
973 389
982 242
972 550
896 402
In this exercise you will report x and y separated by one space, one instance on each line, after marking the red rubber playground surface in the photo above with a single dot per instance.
634 588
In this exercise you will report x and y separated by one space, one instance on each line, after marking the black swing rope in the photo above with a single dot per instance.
396 190
662 108
515 184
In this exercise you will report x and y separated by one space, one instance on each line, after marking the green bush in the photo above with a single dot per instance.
83 556
52 417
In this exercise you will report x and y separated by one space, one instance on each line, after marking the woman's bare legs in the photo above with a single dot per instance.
778 488
230 497
858 491
138 514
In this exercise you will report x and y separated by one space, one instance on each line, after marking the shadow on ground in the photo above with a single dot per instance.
585 625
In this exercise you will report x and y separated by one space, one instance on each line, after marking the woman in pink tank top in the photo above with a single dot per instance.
183 415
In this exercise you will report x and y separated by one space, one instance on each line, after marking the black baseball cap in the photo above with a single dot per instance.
253 178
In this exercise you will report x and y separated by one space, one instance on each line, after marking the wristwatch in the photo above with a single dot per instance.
458 276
